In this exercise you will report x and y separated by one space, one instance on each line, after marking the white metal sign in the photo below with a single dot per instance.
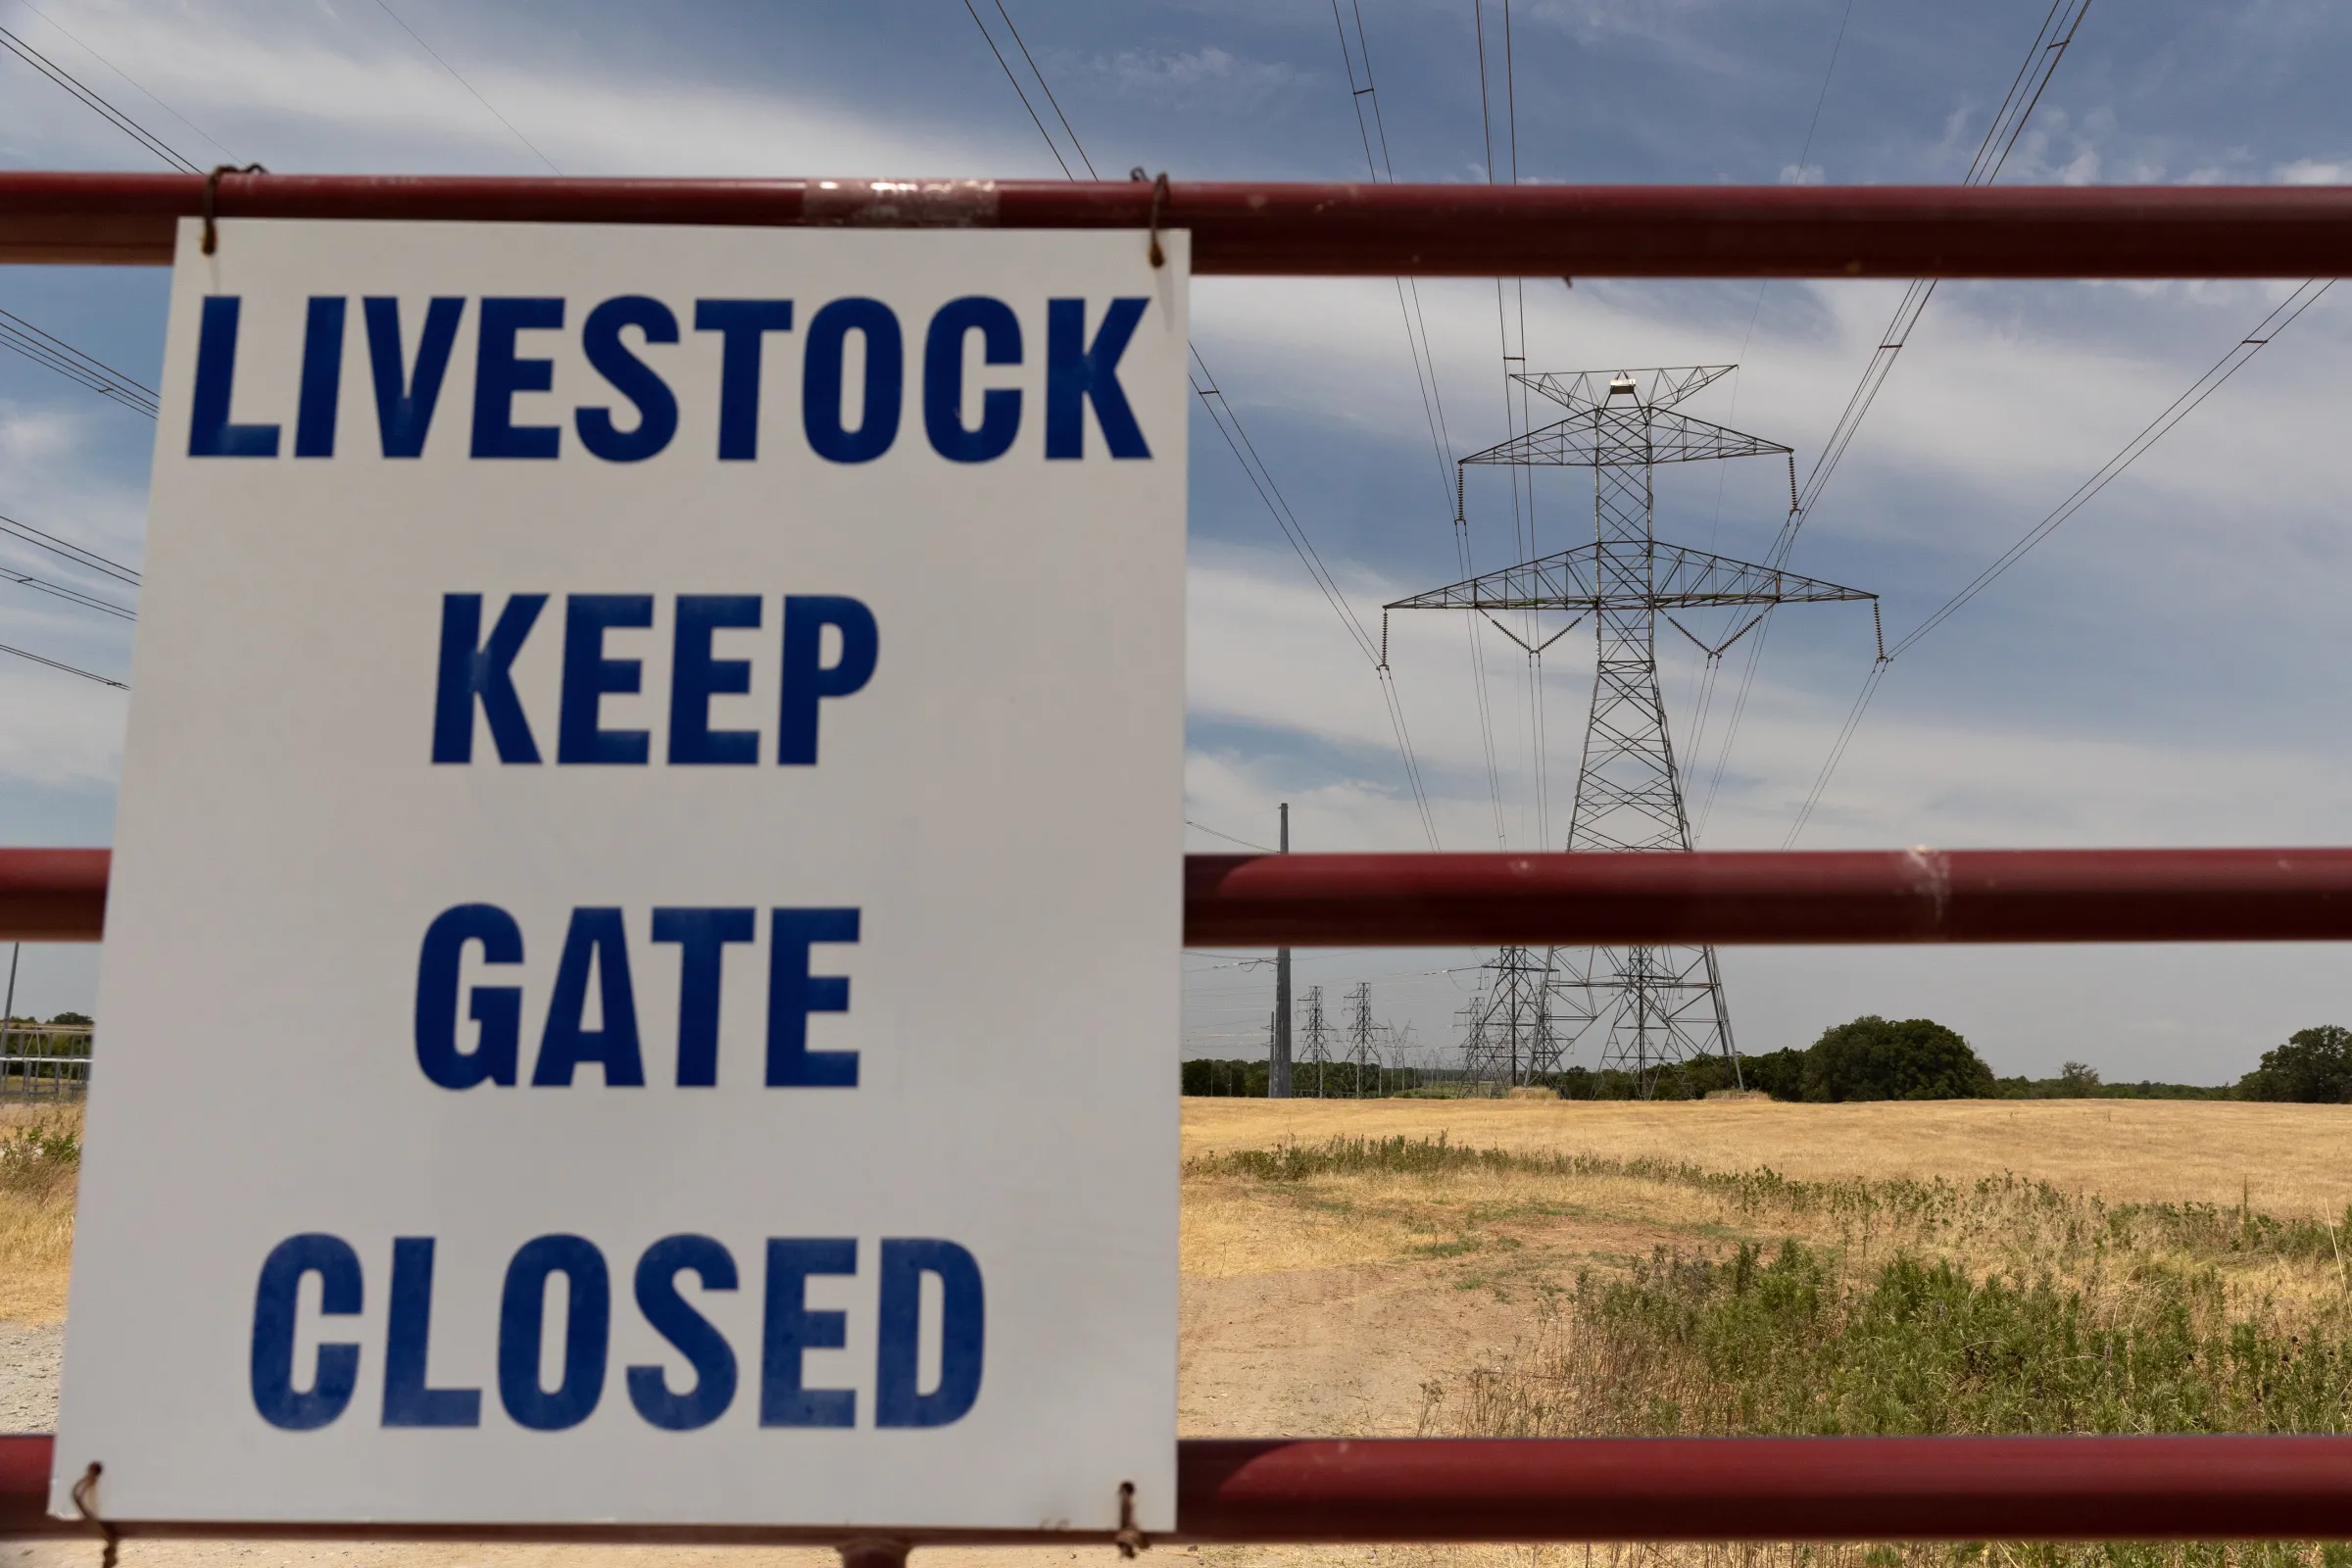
642 955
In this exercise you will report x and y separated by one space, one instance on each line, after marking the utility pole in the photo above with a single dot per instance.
7 1009
1278 1062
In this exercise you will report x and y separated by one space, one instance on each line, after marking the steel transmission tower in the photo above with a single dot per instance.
1363 1057
1658 1004
1318 1039
1511 1034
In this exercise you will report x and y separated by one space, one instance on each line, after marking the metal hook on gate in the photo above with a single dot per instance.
1160 196
212 198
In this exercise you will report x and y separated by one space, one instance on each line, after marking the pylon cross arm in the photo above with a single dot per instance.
1625 438
1666 578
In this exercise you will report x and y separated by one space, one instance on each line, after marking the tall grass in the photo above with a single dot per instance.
1897 1306
41 1158
1794 1342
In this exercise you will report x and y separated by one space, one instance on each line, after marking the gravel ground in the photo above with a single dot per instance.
28 1357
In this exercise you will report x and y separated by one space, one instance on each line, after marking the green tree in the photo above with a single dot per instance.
1873 1059
1779 1073
2078 1080
2314 1066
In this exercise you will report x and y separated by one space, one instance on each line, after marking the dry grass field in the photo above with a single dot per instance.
36 1211
1547 1267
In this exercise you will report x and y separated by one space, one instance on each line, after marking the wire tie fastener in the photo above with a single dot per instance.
1160 196
212 239
85 1500
1129 1539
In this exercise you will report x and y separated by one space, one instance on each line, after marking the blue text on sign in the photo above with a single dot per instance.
789 1329
1081 371
476 673
596 940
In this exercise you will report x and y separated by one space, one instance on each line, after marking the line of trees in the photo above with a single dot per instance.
1338 1080
1869 1059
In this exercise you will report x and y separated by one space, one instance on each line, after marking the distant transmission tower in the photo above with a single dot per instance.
1318 1039
1513 1038
1659 1004
1363 1057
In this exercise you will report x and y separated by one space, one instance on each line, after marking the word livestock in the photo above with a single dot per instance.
617 336
616 727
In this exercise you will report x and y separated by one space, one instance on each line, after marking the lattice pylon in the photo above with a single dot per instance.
1660 1004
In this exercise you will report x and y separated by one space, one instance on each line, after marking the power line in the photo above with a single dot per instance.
2042 60
58 665
1050 145
1230 839
56 354
1229 424
2265 332
112 116
21 336
1047 88
71 595
135 85
67 551
468 87
2223 369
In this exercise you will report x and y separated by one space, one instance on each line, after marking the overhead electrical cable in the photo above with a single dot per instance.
55 352
1006 67
1227 422
1461 526
67 551
2180 408
469 87
135 85
2264 334
1047 88
71 595
59 665
1228 838
2042 57
45 348
115 117
1425 375
1711 665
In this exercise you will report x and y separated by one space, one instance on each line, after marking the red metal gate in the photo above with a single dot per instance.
2113 1487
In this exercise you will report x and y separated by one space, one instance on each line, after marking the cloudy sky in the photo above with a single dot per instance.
2163 671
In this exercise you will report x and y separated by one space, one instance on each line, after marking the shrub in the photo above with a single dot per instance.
1873 1059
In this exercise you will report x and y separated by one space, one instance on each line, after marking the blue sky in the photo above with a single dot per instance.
2162 671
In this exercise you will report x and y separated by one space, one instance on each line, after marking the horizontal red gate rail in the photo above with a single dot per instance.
1587 1489
1733 897
1323 229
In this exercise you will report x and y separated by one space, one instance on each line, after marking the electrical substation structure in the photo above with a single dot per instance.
1655 1005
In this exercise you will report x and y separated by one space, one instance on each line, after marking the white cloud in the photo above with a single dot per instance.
1195 74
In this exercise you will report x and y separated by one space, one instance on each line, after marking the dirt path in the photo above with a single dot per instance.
29 1358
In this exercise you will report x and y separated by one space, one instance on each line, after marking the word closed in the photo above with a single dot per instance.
318 1395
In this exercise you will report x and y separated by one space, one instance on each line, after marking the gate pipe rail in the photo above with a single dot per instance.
1454 1489
1730 898
1326 229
